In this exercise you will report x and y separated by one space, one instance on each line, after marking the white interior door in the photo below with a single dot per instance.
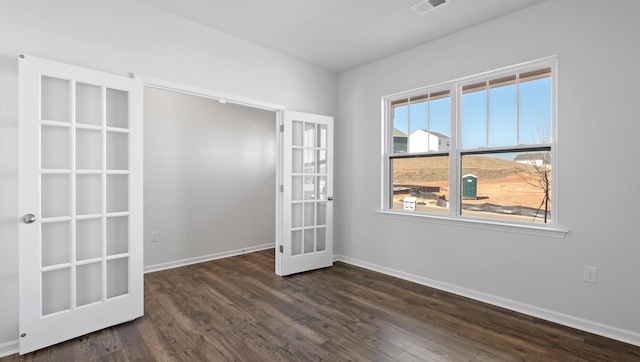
80 172
306 215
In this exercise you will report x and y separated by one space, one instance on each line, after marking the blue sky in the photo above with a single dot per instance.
534 109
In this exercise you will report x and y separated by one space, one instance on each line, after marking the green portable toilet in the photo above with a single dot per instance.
469 187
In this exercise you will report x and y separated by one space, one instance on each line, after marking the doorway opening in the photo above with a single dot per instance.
210 166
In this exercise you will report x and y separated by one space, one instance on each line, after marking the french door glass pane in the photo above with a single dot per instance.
55 103
322 161
296 242
55 243
296 188
88 194
321 218
117 193
321 242
309 239
88 283
55 195
117 151
309 214
309 135
309 187
88 149
55 150
309 161
297 133
117 108
296 160
56 291
88 104
117 235
296 215
88 239
322 136
117 277
322 187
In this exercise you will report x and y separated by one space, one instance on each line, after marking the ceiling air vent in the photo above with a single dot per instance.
425 6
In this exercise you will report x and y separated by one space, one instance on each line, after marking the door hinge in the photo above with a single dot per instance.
282 128
281 188
281 248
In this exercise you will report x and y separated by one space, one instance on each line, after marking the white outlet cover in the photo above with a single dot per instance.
590 274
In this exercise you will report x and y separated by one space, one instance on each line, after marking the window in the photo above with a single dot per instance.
476 148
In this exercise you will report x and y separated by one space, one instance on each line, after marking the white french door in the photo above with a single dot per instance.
306 205
80 201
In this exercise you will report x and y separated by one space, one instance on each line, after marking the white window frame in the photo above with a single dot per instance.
455 216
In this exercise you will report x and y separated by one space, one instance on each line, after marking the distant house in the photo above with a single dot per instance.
399 141
423 141
534 159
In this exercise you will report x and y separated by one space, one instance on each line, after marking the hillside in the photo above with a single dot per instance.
500 181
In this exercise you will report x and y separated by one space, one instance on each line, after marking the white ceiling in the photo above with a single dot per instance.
337 34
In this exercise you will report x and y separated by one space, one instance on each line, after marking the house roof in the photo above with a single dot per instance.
439 135
398 133
530 156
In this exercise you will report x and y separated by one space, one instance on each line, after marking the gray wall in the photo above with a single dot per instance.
123 37
209 177
598 49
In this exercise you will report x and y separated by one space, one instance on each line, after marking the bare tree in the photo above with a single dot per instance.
540 170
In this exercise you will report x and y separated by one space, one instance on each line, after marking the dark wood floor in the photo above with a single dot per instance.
238 309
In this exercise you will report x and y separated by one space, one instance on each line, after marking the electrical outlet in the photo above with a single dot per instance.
591 274
154 236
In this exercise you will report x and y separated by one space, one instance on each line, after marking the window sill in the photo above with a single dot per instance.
477 224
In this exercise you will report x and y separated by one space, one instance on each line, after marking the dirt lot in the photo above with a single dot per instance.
500 182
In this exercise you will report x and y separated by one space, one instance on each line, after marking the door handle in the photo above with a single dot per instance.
330 198
29 218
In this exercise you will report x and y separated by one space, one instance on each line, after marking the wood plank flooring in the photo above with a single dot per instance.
238 309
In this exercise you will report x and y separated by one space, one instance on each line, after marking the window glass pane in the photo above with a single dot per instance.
440 119
502 112
535 111
474 116
424 178
400 128
509 186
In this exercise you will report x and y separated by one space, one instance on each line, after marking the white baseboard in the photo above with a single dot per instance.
546 314
200 259
9 348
